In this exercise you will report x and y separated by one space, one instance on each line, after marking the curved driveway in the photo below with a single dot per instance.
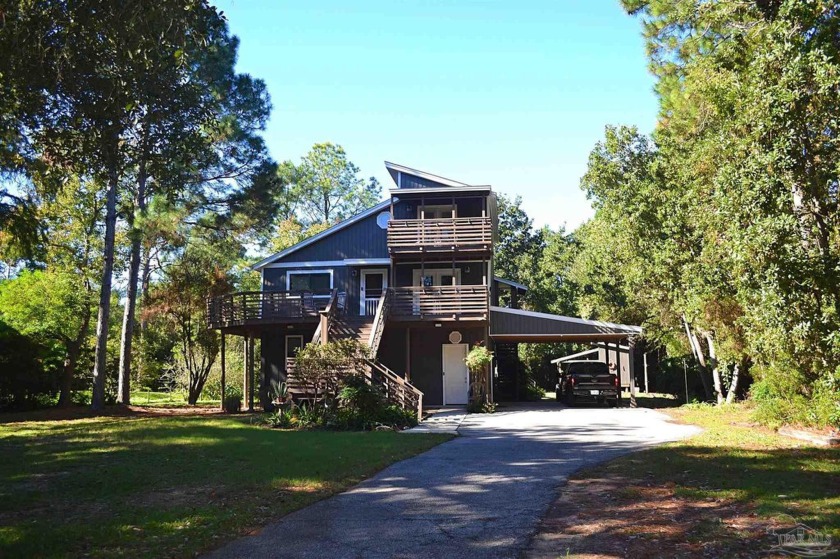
479 495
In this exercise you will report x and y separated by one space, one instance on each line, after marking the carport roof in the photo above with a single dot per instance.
518 326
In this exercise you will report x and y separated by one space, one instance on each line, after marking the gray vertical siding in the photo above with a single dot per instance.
363 239
273 352
427 357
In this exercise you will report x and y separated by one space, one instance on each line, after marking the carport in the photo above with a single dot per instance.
510 327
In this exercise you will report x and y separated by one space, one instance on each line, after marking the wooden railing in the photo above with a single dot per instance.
322 332
254 307
474 234
440 302
397 390
379 322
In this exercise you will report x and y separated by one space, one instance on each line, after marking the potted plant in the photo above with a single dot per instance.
232 400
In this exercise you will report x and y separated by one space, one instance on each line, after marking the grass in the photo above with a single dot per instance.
715 493
169 486
148 398
739 460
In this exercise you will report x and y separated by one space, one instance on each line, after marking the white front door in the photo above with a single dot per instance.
456 380
371 286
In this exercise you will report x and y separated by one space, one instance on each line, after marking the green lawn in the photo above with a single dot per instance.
169 486
147 398
734 468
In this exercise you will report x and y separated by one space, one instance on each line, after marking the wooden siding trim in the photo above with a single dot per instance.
331 263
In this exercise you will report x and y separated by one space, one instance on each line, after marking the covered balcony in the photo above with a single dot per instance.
439 303
469 235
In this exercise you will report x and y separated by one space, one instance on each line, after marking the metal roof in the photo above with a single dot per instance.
516 325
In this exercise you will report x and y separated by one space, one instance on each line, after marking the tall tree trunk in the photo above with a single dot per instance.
713 362
698 355
74 348
124 389
733 387
104 315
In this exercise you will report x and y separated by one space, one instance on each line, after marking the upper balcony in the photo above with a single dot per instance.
468 235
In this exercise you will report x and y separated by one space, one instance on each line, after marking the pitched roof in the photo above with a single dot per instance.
394 168
325 233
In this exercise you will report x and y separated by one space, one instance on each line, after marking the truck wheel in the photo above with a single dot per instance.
569 399
612 403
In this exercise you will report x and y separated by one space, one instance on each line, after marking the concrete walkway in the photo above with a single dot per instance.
479 495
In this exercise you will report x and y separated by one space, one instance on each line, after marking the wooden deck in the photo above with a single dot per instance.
446 302
472 235
265 307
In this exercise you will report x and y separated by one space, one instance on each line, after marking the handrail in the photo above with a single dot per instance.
444 301
398 391
436 235
250 307
322 332
379 320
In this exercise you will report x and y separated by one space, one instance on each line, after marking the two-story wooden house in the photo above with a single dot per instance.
413 278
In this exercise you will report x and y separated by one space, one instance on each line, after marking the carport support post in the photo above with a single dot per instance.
631 350
647 387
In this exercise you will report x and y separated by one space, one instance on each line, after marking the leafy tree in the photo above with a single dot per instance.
326 187
51 306
197 144
201 271
519 247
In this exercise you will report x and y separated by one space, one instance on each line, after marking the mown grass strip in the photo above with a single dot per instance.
169 486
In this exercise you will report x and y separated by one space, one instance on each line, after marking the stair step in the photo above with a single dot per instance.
352 328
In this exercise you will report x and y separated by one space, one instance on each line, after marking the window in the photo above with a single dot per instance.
438 212
382 219
309 280
436 276
293 344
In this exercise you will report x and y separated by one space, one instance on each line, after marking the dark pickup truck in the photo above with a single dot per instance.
589 381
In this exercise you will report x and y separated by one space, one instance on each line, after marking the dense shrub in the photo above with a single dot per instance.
361 407
28 376
779 401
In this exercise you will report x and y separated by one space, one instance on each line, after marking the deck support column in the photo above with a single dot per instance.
222 383
408 354
246 381
251 373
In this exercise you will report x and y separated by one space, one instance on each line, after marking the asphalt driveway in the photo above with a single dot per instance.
479 495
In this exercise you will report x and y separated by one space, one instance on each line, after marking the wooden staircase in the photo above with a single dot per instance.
368 331
351 328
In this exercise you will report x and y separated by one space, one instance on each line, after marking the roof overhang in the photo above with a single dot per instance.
511 283
325 233
443 190
394 168
516 325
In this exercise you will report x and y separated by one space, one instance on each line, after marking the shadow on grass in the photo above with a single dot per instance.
695 501
169 486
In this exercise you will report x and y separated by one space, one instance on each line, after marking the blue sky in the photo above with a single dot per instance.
509 93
